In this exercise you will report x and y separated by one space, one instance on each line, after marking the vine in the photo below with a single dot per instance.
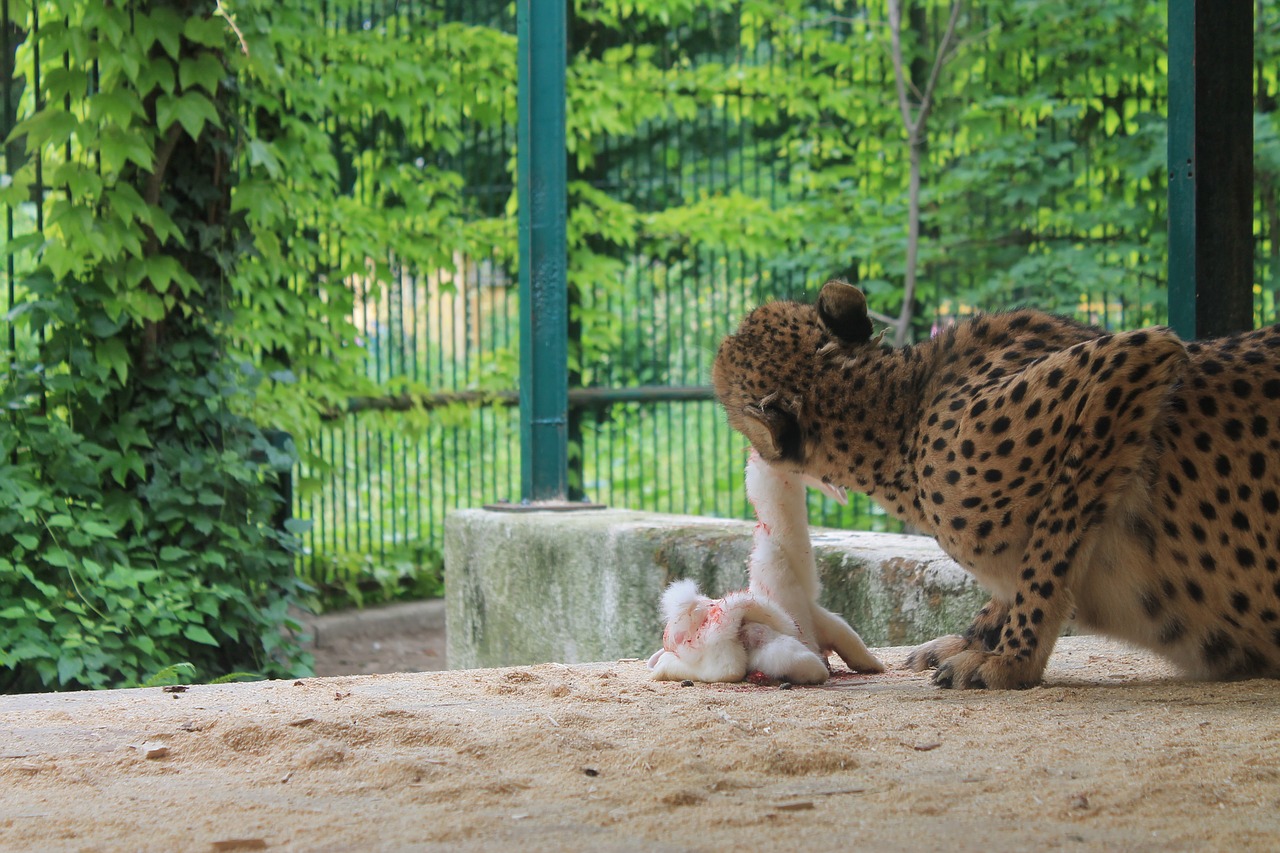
140 508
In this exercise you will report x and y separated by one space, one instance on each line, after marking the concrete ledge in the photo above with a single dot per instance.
571 587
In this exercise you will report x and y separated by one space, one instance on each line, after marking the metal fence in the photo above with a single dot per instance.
378 481
383 491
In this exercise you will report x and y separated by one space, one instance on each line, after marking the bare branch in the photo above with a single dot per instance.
915 127
882 318
230 18
926 102
899 66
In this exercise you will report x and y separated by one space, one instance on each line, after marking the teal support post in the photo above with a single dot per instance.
1210 167
541 163
1182 187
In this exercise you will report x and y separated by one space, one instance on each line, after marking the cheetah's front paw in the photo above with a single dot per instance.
970 670
934 652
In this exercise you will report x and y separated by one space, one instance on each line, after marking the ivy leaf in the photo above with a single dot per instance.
166 27
126 464
127 204
299 526
113 353
50 126
62 83
119 146
204 70
164 271
210 32
190 109
157 73
260 154
119 106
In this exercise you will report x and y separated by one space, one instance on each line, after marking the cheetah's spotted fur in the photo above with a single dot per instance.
1129 478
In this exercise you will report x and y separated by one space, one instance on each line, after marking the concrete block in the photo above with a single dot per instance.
572 587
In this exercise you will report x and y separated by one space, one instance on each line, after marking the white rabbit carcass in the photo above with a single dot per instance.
776 626
724 639
782 568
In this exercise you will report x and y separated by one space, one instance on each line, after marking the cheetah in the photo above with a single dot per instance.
1128 481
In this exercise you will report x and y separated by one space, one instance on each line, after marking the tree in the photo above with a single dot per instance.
915 122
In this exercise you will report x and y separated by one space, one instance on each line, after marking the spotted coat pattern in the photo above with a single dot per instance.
1128 479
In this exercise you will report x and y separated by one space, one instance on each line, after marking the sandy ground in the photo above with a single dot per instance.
1112 753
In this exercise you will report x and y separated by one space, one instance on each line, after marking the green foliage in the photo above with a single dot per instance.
343 580
343 195
1043 175
138 504
174 673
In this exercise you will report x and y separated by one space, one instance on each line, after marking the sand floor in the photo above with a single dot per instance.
1112 753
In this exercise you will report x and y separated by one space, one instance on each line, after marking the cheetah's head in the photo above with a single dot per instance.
763 373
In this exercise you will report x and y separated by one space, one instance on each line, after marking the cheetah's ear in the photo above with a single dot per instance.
773 432
842 309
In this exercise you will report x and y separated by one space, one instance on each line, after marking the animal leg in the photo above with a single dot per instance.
835 634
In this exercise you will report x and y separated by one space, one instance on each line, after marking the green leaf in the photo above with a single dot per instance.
127 204
166 27
69 669
198 634
205 71
165 270
119 106
50 126
174 673
260 154
210 32
119 146
157 73
97 528
190 109
113 353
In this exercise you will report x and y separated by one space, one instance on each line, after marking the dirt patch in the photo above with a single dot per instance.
406 637
1112 753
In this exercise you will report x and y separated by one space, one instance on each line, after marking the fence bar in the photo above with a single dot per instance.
1210 167
586 398
10 168
541 168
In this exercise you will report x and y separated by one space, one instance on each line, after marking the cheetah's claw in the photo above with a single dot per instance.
970 670
934 652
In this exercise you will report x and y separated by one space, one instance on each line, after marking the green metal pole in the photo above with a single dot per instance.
1182 185
541 162
1210 167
